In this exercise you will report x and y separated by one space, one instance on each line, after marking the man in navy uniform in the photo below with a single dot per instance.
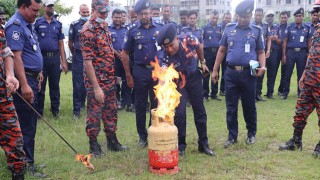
183 20
118 32
314 16
178 51
51 37
22 40
295 49
212 33
274 43
79 91
140 40
241 42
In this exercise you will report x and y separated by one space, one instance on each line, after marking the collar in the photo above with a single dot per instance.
22 20
152 23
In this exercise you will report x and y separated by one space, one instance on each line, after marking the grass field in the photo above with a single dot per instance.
262 160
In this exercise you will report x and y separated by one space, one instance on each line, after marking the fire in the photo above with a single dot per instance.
85 161
166 91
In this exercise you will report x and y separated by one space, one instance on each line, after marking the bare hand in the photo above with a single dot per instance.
301 81
12 84
64 67
98 94
260 72
119 54
204 68
283 60
27 93
215 76
130 81
40 81
267 54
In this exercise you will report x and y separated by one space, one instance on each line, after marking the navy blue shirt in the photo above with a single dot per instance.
184 60
74 31
235 38
142 42
197 32
211 35
21 36
49 34
311 29
282 30
297 37
117 36
274 31
264 28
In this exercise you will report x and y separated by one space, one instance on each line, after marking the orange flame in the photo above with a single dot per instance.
85 161
166 91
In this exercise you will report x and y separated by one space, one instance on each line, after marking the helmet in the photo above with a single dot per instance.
316 4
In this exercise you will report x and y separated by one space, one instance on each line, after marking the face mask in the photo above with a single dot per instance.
156 18
269 21
85 18
50 14
99 20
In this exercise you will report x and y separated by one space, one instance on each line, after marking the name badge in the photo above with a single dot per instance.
34 47
247 48
301 38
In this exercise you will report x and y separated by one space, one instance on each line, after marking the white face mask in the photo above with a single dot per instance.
156 18
99 20
85 18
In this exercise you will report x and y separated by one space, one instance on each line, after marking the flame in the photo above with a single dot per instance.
166 91
85 161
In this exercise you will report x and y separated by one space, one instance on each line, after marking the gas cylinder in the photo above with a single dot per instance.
163 146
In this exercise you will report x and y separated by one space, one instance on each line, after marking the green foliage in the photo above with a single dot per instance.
9 6
60 9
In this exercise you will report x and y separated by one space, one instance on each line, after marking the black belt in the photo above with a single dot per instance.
145 66
50 54
32 74
211 49
298 49
239 68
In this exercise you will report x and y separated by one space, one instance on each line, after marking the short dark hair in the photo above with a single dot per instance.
215 12
26 2
184 13
259 9
155 8
116 11
192 12
166 5
226 13
123 11
285 12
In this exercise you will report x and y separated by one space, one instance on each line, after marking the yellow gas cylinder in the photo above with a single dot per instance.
163 146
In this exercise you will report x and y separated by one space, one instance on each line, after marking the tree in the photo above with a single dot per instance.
9 6
59 8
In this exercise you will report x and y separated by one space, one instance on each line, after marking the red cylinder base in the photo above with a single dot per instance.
163 162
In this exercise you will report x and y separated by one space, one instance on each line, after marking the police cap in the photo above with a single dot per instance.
299 11
270 12
48 2
166 34
245 7
141 5
102 6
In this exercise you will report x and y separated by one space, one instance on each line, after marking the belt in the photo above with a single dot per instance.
50 54
239 68
32 74
77 50
211 49
145 66
298 49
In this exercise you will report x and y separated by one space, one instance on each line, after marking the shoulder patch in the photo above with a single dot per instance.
15 35
17 22
75 22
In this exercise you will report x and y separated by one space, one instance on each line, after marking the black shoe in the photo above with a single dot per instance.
182 153
131 108
215 97
292 145
269 96
76 115
222 93
18 176
229 143
119 105
316 151
280 94
250 140
206 150
259 98
206 99
284 97
32 171
143 143
55 115
95 149
114 145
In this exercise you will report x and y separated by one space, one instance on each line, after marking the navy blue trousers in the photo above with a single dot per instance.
79 91
144 86
27 119
298 58
123 91
283 71
272 65
51 72
240 84
192 89
210 60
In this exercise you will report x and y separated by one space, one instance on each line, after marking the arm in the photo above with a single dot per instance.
268 46
11 82
199 51
284 51
63 60
126 66
309 43
262 62
98 93
70 44
220 55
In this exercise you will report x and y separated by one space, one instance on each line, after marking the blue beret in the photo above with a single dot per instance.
166 34
299 11
141 5
245 7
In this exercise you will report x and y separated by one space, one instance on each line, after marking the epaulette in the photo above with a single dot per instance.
75 22
132 26
231 24
17 22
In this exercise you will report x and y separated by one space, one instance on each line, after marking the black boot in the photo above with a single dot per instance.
316 151
18 176
294 143
113 143
95 149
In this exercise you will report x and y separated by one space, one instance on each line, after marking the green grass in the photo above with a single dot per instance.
262 160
